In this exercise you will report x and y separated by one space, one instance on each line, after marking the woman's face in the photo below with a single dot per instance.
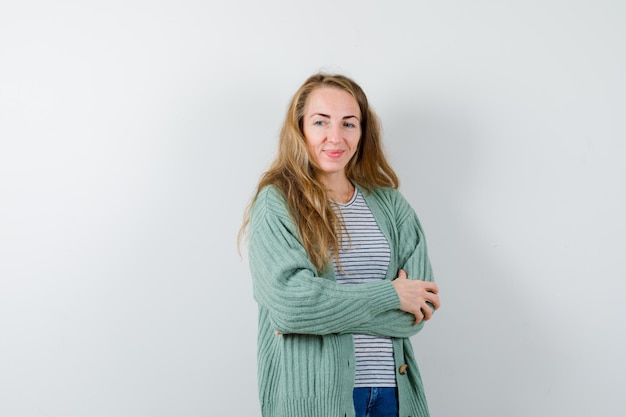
332 129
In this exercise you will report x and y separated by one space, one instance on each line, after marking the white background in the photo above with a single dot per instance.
132 135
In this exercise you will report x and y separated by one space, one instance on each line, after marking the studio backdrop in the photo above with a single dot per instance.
133 134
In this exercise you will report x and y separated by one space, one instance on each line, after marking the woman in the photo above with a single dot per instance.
331 246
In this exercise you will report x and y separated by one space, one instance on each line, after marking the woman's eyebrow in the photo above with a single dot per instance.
320 114
328 116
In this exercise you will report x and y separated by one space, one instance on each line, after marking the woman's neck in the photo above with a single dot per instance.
340 189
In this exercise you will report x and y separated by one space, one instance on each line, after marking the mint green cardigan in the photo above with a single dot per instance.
308 370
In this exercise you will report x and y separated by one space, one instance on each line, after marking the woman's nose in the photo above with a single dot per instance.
334 134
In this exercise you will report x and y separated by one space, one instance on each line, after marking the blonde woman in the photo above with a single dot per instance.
339 266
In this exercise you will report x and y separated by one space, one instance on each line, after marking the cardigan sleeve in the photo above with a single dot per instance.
413 252
297 298
392 323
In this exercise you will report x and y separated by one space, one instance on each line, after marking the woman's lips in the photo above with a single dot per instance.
333 154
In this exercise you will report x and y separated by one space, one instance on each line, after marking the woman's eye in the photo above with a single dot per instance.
348 124
318 123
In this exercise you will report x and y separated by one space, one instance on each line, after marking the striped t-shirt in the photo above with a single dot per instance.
364 257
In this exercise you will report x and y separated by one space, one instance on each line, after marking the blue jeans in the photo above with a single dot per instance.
375 402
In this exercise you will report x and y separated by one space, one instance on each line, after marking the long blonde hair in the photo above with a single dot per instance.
293 171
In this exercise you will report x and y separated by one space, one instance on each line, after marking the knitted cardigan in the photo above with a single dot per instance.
308 370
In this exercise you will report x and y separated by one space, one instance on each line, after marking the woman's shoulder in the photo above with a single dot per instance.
270 200
271 194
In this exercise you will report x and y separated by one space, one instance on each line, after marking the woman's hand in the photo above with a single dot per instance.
415 296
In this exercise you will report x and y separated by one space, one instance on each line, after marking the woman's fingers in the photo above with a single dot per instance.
431 287
427 312
434 300
419 316
419 298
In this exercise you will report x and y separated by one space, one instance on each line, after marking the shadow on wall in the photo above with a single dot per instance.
479 343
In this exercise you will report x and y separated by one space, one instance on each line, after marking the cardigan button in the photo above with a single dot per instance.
403 369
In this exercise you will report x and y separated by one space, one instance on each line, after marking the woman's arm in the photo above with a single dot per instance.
298 299
419 294
418 300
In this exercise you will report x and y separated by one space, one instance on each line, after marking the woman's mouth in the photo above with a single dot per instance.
333 154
